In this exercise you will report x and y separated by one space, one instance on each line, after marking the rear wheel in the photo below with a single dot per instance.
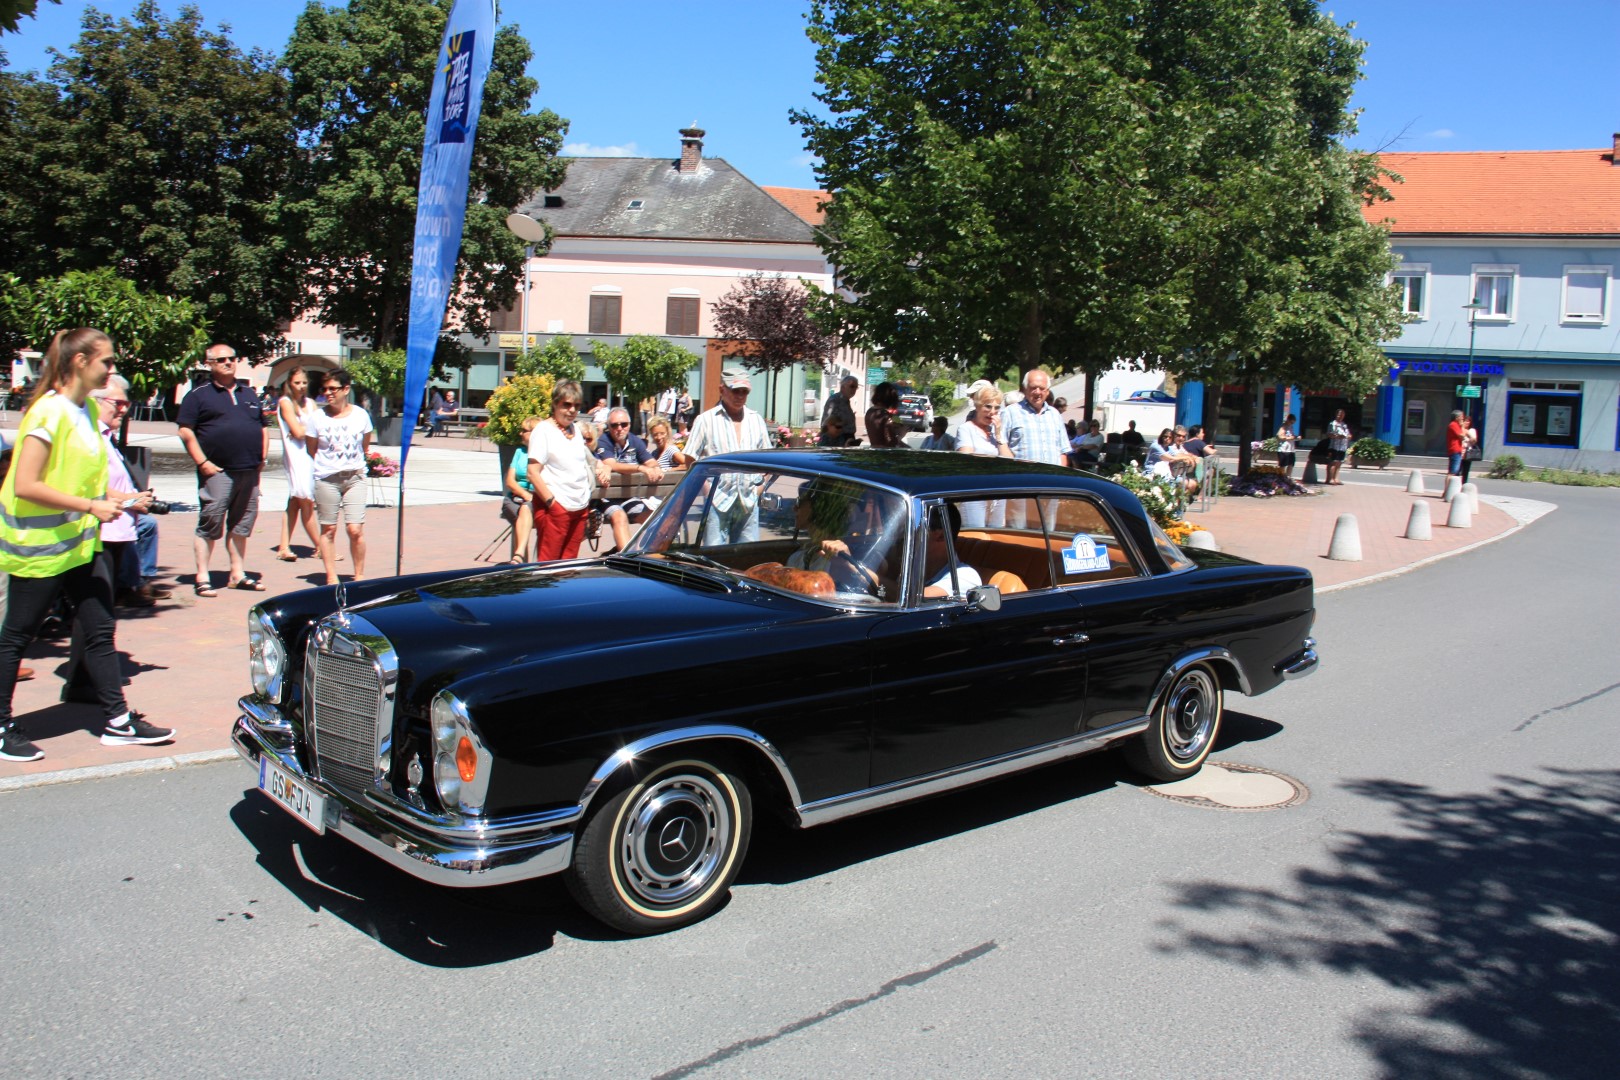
662 852
1183 730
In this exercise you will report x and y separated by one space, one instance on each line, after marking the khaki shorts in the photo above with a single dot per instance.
344 491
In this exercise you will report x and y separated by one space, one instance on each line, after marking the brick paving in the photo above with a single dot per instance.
186 658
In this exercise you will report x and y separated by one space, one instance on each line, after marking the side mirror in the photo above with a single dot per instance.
984 598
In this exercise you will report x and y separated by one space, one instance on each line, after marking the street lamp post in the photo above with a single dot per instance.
531 232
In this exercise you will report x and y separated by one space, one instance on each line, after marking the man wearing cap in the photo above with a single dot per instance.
222 428
840 410
731 426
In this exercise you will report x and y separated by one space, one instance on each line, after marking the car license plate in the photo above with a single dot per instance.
303 803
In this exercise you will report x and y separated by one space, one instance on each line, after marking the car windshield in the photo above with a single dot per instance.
836 540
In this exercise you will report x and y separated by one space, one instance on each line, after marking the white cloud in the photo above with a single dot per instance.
580 149
1441 133
806 159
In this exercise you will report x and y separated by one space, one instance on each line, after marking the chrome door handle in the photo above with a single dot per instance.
1072 639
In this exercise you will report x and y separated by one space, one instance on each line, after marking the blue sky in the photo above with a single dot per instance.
1441 74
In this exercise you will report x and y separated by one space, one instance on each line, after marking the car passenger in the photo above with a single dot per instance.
942 575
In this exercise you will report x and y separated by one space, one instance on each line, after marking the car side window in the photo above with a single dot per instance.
1085 547
1005 543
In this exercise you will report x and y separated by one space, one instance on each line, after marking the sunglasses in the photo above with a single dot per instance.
625 424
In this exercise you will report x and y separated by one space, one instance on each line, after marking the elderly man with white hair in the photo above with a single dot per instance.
1035 432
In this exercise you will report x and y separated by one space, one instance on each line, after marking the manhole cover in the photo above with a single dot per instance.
1226 785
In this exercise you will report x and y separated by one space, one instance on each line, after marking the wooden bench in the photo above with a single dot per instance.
466 420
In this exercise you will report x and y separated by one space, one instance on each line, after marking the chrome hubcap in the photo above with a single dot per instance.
675 837
1191 715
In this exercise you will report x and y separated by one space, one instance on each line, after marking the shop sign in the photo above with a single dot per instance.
1442 367
1468 391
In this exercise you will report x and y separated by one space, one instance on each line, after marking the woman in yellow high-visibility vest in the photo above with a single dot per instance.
52 505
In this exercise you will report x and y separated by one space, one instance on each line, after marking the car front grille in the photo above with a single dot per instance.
347 707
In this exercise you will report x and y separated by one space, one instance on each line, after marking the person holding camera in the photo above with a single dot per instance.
131 537
55 500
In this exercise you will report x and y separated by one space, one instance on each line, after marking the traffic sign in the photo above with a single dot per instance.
875 375
1468 391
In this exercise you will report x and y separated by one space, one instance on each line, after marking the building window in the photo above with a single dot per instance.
1493 290
1586 294
605 308
1413 282
1543 414
681 315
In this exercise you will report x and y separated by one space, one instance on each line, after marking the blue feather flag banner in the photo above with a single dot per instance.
441 196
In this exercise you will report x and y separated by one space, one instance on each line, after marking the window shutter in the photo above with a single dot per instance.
681 316
604 315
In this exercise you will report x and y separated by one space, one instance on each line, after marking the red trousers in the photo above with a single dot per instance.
560 531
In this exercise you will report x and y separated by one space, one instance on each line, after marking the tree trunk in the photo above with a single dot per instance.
1088 386
1246 421
1029 339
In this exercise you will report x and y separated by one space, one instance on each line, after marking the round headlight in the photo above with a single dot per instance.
267 656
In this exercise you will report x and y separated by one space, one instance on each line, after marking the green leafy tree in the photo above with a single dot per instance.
382 372
160 150
1070 184
157 338
644 365
12 12
361 78
557 358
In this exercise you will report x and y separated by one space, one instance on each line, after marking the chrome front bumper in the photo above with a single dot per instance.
1300 664
459 854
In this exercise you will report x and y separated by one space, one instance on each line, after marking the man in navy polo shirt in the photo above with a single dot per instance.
223 430
627 456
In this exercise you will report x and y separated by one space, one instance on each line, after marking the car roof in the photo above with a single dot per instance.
925 474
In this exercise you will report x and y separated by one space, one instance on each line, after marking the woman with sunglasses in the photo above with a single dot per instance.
982 434
338 438
562 468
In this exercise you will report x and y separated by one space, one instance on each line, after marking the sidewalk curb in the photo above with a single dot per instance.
1525 512
123 768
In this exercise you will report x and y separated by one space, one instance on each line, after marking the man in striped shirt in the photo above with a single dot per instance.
731 426
1035 432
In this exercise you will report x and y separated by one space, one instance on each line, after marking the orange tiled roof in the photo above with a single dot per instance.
804 202
1503 193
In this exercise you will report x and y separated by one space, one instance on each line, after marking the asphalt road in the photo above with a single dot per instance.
1444 903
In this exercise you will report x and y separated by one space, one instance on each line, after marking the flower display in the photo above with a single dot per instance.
381 465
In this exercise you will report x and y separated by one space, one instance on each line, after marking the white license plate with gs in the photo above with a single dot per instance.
298 798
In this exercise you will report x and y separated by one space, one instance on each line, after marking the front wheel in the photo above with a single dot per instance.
663 852
1183 730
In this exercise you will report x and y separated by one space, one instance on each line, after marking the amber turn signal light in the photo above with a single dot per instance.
466 760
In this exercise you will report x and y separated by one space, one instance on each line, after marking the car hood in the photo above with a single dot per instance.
490 620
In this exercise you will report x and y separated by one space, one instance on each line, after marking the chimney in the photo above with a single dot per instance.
1614 155
692 149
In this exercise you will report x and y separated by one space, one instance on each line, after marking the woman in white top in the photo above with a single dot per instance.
982 435
561 471
293 413
1287 437
338 438
1339 444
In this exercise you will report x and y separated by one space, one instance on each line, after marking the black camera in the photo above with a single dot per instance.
159 507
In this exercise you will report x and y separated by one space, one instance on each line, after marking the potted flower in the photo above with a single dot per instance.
381 465
1265 449
1370 451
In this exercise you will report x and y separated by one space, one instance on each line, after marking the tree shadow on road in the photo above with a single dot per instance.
1497 909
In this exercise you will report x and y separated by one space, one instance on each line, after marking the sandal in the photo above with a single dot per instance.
203 588
286 556
246 584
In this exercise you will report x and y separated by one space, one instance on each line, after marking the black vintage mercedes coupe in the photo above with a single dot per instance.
817 633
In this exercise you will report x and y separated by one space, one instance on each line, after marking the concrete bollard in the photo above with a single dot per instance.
1202 539
1417 522
1461 516
1346 543
1414 482
1472 491
1453 485
1310 472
